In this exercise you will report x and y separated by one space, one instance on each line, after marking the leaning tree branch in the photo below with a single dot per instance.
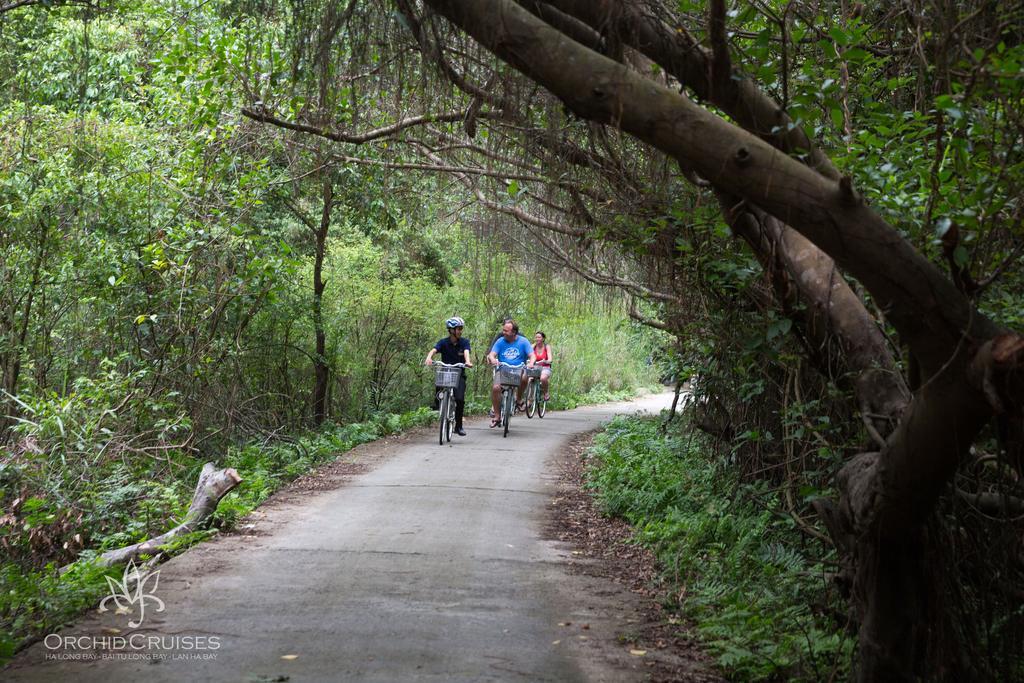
679 53
359 138
564 260
453 145
561 149
299 213
651 322
569 25
439 167
212 486
833 310
1001 268
991 503
20 3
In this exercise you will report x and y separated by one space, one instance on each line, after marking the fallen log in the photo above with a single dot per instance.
213 485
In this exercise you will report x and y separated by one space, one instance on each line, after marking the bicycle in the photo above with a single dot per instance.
446 379
509 376
534 393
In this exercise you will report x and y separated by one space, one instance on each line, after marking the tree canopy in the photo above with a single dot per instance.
816 204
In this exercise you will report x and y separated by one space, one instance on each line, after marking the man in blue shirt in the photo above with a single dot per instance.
511 349
454 349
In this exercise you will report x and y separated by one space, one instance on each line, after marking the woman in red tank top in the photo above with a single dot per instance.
542 350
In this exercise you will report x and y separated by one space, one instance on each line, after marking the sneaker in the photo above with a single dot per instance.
460 431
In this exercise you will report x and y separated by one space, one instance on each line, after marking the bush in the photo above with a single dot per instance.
757 602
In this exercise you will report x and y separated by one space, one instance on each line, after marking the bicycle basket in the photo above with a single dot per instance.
510 376
533 372
447 377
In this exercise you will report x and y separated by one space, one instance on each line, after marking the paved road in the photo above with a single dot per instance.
429 567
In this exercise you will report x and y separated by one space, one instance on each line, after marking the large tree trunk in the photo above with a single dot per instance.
833 312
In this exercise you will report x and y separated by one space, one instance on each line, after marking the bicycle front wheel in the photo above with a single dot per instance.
509 406
531 398
542 405
450 424
445 397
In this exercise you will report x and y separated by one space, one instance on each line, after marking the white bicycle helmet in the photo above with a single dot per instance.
453 322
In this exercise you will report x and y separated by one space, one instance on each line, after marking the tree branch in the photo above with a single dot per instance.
721 65
358 139
54 3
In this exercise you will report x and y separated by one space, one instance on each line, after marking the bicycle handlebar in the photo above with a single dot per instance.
449 365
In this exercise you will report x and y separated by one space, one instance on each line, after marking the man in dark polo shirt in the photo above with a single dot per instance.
454 349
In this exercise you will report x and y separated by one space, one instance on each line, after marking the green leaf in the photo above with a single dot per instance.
947 104
779 327
839 35
856 54
837 117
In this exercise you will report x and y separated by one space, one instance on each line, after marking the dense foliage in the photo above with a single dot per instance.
226 223
157 306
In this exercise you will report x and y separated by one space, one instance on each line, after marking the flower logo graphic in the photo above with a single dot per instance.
124 598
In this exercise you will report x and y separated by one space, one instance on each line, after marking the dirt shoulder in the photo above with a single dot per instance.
626 580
